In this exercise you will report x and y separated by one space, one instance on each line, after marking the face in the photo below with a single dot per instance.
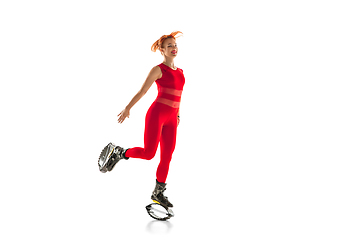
169 48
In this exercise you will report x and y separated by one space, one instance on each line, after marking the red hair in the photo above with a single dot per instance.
159 42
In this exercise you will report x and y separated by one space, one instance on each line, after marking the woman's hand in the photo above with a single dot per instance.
124 114
154 74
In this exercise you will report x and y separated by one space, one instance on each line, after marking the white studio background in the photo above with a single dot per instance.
268 144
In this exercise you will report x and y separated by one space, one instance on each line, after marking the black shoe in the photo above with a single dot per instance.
119 153
158 195
109 156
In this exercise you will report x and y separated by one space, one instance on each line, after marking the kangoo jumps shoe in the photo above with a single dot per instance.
158 195
109 156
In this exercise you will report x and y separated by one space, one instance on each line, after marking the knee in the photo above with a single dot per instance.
149 155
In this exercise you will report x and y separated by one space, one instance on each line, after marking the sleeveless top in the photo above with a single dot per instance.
170 86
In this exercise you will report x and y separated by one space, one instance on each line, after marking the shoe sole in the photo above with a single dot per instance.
156 201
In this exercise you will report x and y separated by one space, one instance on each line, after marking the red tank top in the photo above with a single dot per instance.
170 86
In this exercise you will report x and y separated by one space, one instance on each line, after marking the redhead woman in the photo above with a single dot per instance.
161 121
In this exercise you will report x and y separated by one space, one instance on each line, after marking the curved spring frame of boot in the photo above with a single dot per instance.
105 157
156 213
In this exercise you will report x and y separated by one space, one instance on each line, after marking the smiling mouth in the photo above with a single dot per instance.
173 52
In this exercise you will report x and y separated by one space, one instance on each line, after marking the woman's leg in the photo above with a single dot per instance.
167 147
153 124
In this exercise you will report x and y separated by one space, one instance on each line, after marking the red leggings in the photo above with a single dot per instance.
160 126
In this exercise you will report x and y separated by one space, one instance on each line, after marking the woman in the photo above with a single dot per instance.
162 118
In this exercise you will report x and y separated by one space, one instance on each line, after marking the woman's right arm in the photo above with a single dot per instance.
155 73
